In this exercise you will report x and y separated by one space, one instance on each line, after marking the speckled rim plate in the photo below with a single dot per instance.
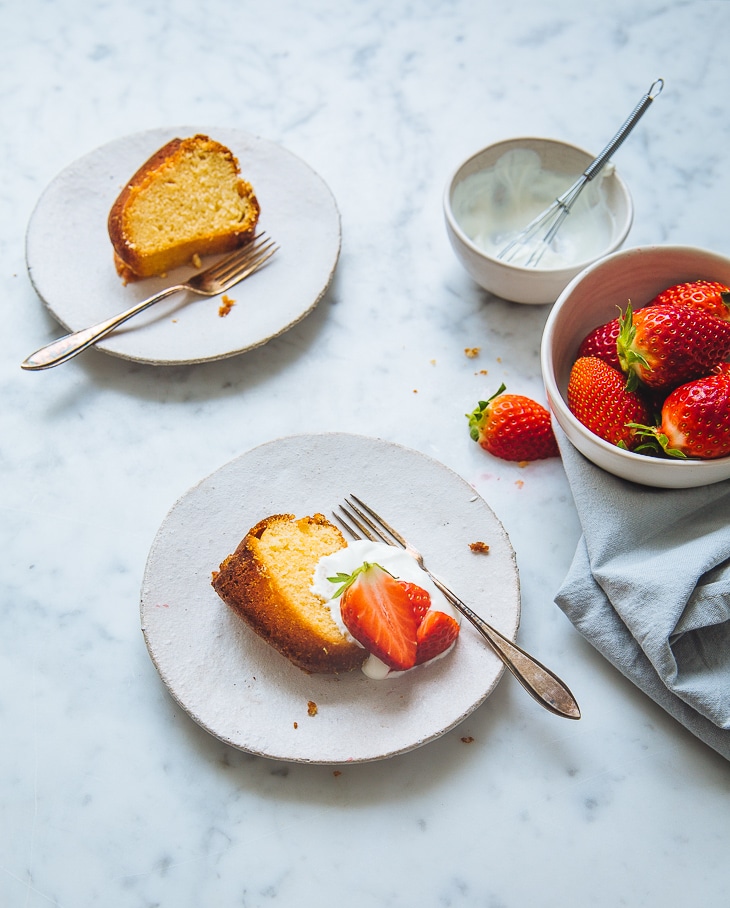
246 694
70 258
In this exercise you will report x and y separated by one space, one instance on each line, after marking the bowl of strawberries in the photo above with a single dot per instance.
636 363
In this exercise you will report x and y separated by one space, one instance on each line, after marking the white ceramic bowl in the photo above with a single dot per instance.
593 298
533 285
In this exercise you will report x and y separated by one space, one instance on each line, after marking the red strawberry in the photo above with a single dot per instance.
597 396
513 427
667 345
601 342
695 419
419 598
709 296
435 635
378 613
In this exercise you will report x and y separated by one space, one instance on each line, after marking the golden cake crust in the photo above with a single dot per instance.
186 200
267 580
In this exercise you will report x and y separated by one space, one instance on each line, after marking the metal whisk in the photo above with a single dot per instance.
534 239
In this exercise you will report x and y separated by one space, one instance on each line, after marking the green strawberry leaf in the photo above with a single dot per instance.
346 580
672 452
656 443
628 357
476 417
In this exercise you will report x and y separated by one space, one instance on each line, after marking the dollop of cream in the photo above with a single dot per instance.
398 563
493 205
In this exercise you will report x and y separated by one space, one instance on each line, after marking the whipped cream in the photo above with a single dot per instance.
398 563
493 205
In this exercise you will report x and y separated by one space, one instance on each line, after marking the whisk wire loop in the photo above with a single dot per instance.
552 218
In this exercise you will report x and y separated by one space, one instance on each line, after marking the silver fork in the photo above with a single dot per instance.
537 680
214 280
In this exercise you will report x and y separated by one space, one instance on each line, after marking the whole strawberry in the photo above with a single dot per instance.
601 342
597 397
513 427
710 296
666 345
695 419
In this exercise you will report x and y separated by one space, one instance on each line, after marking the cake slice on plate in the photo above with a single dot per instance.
188 200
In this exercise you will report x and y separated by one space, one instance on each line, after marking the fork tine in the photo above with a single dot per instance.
377 522
346 526
366 529
371 531
253 265
251 253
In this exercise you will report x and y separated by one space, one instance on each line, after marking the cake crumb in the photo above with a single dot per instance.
472 352
337 772
482 372
467 739
523 463
519 483
296 725
481 548
226 305
197 262
311 708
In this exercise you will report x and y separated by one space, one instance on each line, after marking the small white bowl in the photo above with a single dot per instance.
543 284
594 298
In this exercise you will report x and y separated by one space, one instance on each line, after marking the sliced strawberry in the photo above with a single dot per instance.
378 613
420 599
435 635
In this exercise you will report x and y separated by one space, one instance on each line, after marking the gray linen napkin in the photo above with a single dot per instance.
649 588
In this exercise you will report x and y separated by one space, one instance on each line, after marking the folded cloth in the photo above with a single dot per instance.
649 588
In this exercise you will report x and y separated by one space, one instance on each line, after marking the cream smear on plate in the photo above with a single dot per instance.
493 205
397 562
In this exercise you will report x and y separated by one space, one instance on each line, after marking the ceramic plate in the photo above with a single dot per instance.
70 258
248 695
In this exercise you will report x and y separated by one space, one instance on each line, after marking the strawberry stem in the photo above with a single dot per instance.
476 416
628 357
346 580
656 441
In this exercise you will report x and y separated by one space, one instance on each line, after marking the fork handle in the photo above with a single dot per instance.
538 681
71 345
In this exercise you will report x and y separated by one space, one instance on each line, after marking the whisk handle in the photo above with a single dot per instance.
595 166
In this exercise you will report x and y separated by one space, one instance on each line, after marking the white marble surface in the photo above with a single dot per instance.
110 795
